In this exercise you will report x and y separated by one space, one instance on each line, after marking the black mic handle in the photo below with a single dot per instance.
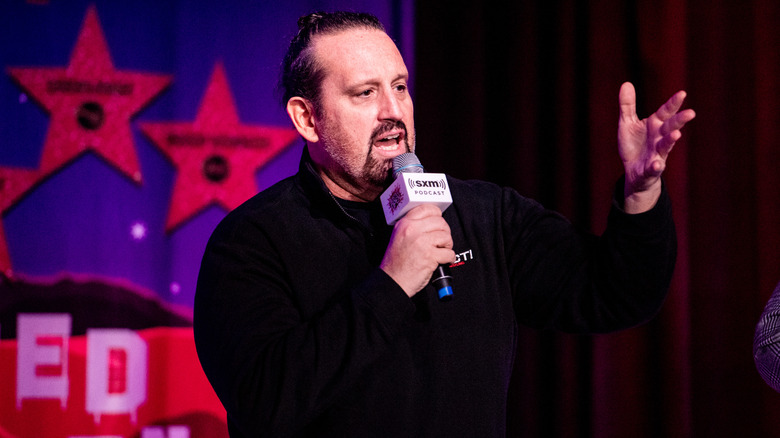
442 279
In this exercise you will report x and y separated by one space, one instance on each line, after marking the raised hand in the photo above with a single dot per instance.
644 145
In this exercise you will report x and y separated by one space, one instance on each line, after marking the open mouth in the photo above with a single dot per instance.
390 141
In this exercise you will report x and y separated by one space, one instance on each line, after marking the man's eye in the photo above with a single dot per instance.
400 87
365 93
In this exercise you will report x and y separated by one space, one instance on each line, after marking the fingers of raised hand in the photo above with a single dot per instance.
656 168
670 130
676 121
670 109
627 101
666 143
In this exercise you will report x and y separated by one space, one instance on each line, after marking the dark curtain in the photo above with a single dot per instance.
525 95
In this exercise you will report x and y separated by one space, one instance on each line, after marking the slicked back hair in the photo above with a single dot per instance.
301 74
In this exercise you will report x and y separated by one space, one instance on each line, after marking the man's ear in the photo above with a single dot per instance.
301 113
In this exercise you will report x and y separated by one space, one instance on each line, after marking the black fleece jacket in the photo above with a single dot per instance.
301 334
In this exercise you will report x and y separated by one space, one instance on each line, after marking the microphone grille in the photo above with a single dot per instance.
407 163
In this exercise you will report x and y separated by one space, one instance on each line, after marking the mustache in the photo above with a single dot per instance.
387 126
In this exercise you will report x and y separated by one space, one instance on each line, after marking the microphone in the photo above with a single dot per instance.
413 187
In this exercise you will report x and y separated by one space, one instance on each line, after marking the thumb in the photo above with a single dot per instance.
627 101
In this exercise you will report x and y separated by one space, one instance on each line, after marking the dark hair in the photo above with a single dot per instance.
301 75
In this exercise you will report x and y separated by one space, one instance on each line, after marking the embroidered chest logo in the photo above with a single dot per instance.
462 258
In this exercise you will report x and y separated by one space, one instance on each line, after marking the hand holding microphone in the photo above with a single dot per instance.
421 242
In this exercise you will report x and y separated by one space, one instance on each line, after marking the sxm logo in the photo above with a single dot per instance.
420 183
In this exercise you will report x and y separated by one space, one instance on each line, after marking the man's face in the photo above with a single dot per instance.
365 114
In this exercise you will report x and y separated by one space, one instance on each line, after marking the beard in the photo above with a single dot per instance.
363 174
378 172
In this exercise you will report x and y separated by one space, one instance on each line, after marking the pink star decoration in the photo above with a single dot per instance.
90 103
216 156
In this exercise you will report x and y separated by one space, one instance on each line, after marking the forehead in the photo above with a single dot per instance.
360 54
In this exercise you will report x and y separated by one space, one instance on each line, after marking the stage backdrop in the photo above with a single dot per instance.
526 95
127 131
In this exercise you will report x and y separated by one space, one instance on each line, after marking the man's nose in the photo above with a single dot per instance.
390 107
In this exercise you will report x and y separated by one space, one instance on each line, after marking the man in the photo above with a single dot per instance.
315 318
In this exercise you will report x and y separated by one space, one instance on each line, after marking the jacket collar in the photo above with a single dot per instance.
318 193
310 179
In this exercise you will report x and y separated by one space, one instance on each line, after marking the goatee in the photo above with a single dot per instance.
379 173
